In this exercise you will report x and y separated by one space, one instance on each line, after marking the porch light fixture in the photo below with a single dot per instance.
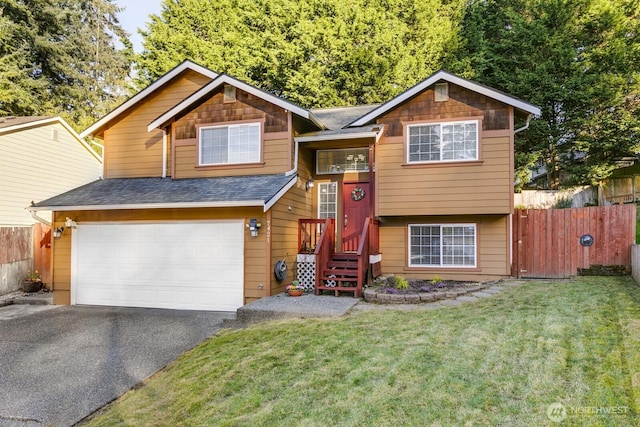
57 232
309 184
253 227
69 223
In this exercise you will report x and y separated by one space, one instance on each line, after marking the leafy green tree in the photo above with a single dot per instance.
315 53
578 60
59 57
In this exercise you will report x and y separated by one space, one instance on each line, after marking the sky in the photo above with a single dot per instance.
135 15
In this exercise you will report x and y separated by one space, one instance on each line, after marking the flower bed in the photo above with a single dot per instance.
386 291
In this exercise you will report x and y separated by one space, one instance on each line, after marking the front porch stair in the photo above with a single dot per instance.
341 275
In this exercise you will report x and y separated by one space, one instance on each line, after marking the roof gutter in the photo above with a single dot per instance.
279 194
224 204
315 138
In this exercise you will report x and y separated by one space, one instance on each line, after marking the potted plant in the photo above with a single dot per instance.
295 289
32 282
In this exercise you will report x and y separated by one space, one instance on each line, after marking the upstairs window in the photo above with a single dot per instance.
442 142
229 144
342 160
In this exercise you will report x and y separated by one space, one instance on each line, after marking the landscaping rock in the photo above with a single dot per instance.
369 294
390 299
412 299
426 297
439 295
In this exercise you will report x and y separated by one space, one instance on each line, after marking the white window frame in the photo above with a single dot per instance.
442 244
320 185
230 126
441 125
341 171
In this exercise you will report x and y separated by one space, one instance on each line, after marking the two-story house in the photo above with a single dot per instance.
212 187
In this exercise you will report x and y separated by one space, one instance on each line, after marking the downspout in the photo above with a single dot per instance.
295 160
35 216
511 217
295 150
164 153
526 126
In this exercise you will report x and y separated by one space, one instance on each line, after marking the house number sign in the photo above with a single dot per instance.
357 194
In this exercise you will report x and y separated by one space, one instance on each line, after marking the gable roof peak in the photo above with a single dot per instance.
222 79
451 78
164 79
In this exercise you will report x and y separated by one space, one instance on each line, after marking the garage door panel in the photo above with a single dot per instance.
166 265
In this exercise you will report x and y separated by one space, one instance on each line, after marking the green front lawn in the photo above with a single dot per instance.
501 361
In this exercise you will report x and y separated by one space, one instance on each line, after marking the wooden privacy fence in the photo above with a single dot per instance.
42 251
24 248
546 243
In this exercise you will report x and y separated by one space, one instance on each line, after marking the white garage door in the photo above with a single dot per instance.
186 265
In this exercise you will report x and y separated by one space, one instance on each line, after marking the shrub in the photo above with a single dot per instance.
563 203
401 283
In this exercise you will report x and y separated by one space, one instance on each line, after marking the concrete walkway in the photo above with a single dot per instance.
282 306
20 304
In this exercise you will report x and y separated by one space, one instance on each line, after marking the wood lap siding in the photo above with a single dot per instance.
254 248
131 151
284 223
284 231
275 156
438 189
492 250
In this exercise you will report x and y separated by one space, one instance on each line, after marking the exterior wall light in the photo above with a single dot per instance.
253 227
57 232
69 223
309 184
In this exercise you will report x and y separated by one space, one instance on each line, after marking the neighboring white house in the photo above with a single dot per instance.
39 158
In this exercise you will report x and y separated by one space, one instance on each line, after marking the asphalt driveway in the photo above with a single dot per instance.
57 366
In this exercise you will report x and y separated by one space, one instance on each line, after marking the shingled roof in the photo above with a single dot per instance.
9 121
144 193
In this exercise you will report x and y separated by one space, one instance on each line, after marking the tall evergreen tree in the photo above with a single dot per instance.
578 60
315 53
59 57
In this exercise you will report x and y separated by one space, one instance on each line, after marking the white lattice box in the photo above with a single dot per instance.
306 271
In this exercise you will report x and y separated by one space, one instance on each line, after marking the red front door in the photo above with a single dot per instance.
356 199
